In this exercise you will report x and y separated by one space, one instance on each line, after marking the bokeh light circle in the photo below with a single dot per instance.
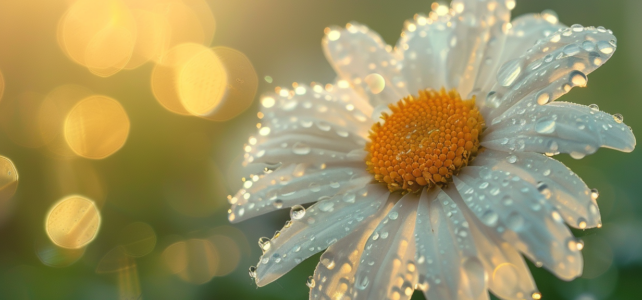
202 83
73 222
96 127
8 185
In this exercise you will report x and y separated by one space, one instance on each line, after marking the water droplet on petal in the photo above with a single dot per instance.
301 148
605 47
252 272
310 282
297 212
594 107
509 72
490 218
578 78
265 244
542 187
545 125
375 82
618 118
543 98
278 203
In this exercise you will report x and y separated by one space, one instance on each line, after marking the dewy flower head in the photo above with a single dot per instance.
426 160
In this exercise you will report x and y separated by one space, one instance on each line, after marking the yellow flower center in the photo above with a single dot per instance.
424 141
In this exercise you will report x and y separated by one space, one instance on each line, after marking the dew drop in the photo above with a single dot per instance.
297 212
264 243
543 98
375 82
252 272
545 125
278 203
490 218
300 148
511 159
581 223
618 118
536 295
578 78
605 47
594 107
509 72
543 188
310 282
594 193
571 50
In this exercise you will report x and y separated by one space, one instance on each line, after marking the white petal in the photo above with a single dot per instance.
334 275
563 188
526 31
521 216
427 52
355 53
481 34
446 256
549 69
287 186
558 127
508 274
323 224
387 267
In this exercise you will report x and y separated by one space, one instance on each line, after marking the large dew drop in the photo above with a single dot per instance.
297 212
509 72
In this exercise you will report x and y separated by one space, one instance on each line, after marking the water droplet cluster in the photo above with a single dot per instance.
425 140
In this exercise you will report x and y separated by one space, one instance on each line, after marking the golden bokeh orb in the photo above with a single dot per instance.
8 185
96 127
202 83
73 222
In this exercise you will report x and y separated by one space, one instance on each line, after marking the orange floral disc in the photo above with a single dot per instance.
424 141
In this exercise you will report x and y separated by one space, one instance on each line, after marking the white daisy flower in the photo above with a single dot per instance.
426 160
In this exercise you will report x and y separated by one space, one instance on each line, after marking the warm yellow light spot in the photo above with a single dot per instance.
96 127
99 35
190 21
138 239
152 38
195 260
536 296
241 87
375 82
165 76
109 50
73 222
8 185
202 83
424 141
52 113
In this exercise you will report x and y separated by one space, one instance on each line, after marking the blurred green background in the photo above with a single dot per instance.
175 171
